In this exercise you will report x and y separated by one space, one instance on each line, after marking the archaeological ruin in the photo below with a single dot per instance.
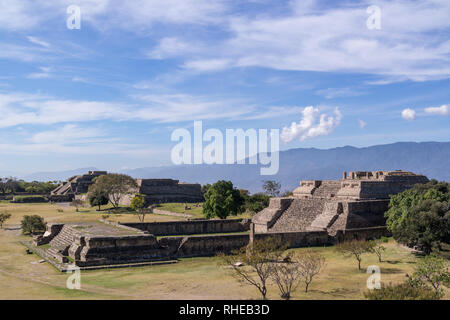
155 190
319 213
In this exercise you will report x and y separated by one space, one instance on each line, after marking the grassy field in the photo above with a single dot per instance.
23 277
195 211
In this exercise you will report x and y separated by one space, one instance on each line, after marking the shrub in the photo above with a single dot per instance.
403 291
3 217
32 224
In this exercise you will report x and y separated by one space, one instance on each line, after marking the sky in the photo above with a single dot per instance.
110 93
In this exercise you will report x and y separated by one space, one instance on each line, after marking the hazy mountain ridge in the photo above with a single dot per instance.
429 158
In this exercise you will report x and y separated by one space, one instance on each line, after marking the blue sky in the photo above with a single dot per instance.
110 94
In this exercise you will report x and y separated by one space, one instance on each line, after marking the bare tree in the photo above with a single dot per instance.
310 265
355 248
253 264
287 276
272 187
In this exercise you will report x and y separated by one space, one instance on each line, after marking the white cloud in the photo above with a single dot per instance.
408 114
331 93
21 109
312 124
361 123
38 41
207 65
45 73
443 110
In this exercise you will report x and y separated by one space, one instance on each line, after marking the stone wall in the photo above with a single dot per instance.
192 227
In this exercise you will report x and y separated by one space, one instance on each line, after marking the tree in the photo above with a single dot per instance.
420 216
76 203
257 202
32 224
432 270
115 186
97 197
257 260
205 188
3 217
354 248
138 204
310 265
294 269
378 248
12 185
3 188
272 187
222 200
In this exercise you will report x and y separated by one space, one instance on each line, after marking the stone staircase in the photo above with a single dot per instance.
60 244
299 215
330 213
327 189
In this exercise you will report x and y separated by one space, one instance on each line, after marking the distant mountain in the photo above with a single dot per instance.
57 175
429 158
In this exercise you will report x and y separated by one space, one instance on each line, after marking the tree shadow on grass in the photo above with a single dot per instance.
337 292
391 271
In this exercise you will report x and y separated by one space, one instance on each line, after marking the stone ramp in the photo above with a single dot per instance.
299 215
331 212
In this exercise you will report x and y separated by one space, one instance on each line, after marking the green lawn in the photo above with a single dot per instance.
195 210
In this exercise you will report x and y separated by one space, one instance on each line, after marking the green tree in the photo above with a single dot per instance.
272 188
115 186
222 200
32 224
138 204
432 270
256 202
97 197
378 248
421 216
3 217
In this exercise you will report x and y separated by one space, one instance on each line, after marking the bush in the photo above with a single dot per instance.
29 199
403 291
3 217
32 224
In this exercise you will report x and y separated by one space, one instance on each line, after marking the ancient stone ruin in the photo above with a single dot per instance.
166 190
74 186
319 213
356 202
155 190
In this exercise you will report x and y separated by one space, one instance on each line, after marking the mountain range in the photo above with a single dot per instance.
429 158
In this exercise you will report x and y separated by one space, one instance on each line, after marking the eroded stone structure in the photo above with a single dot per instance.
357 201
74 186
155 190
166 190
